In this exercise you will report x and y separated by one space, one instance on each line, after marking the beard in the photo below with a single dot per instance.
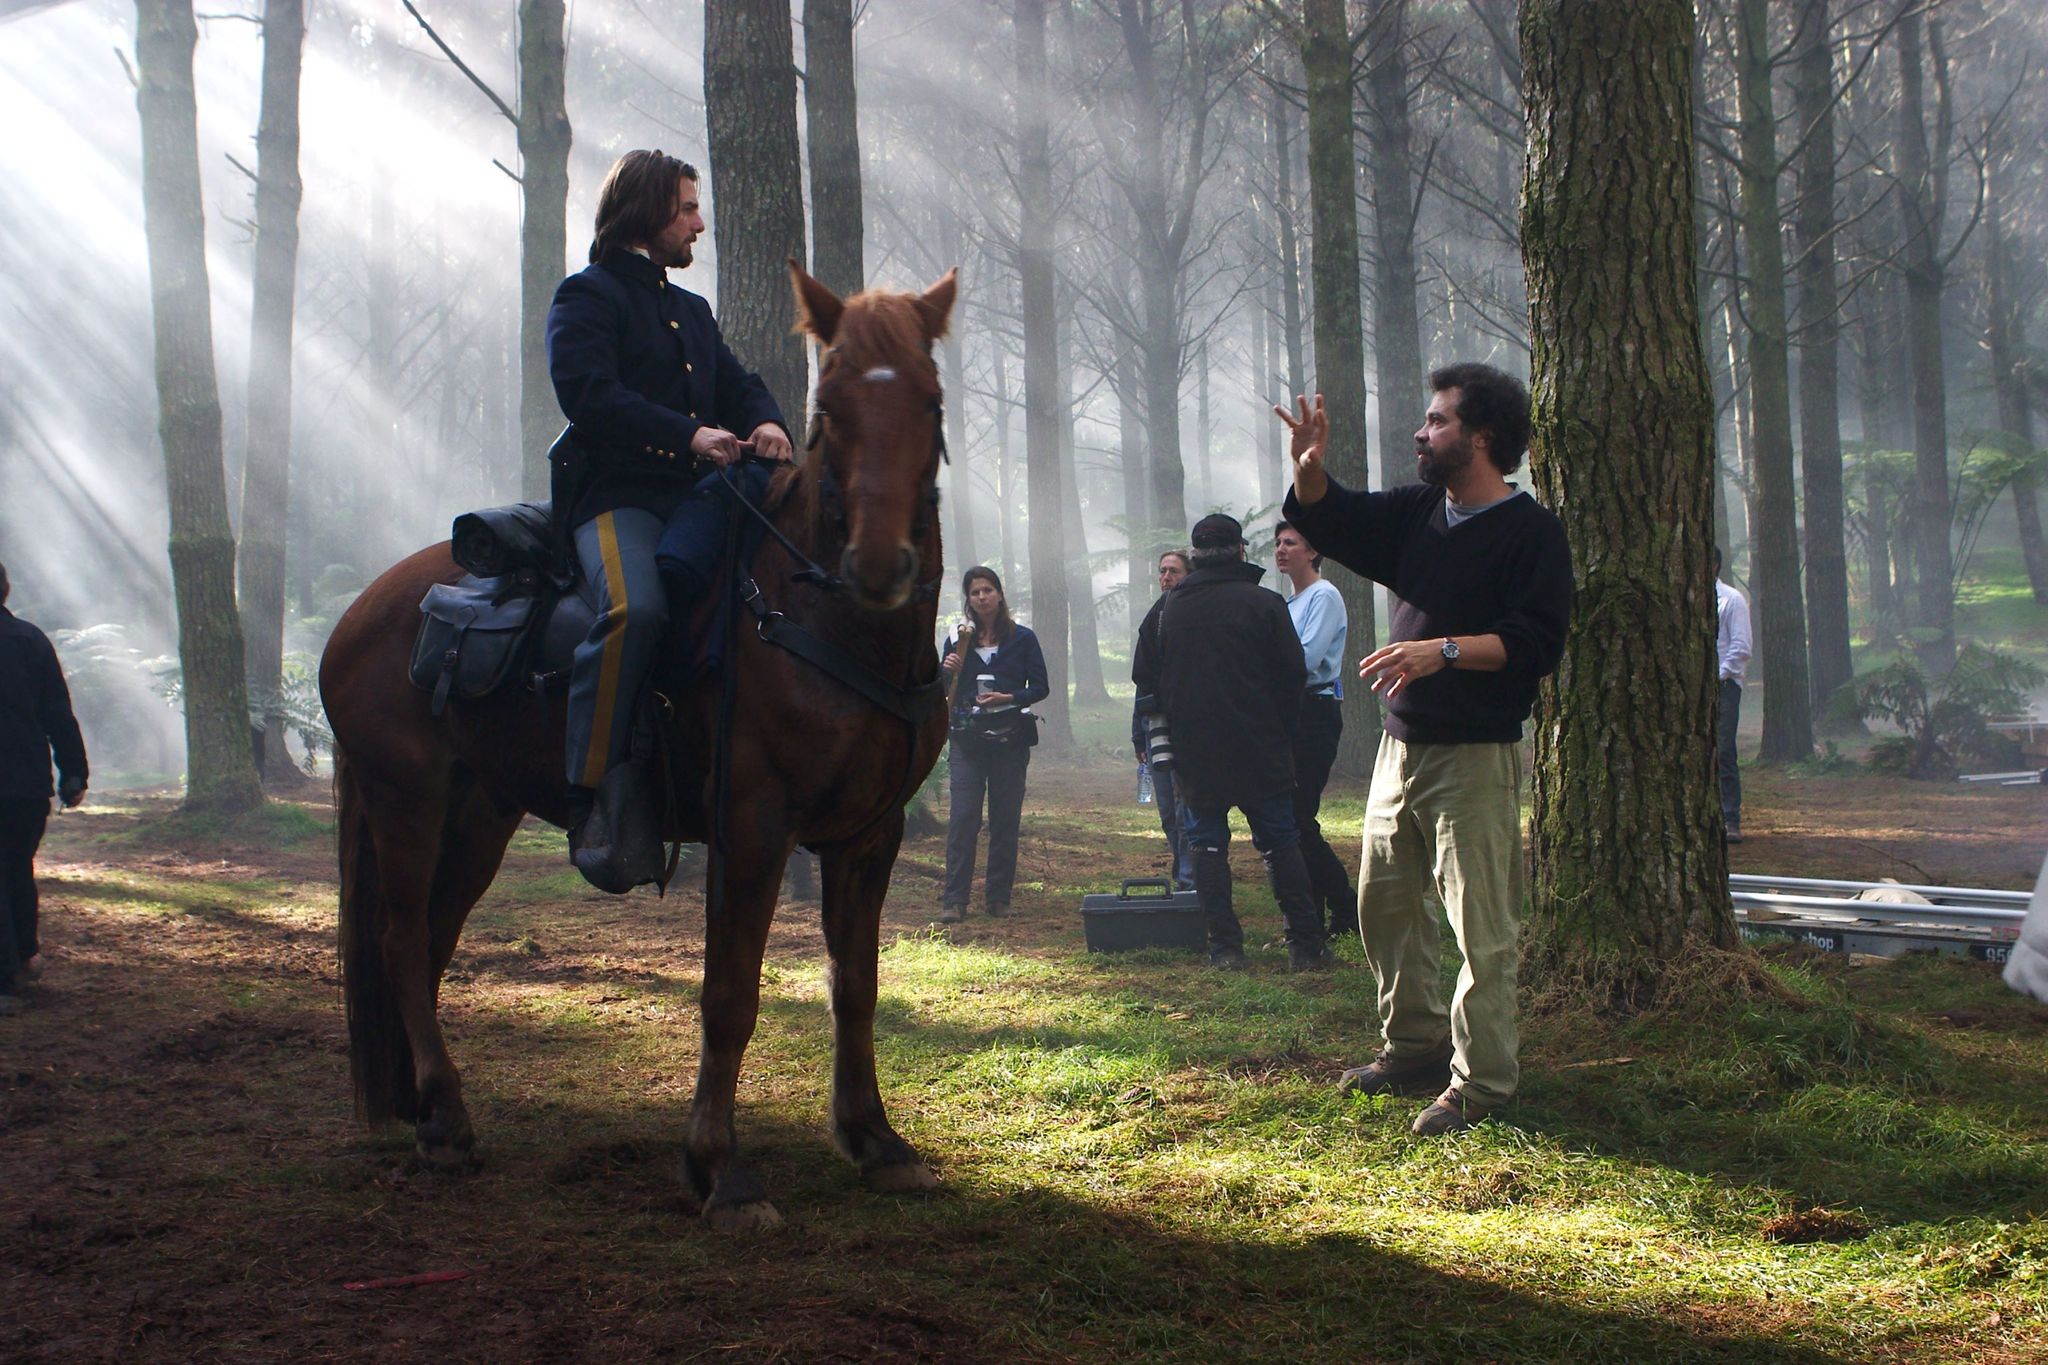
1436 468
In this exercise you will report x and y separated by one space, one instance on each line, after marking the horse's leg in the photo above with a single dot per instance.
474 833
856 881
735 936
411 826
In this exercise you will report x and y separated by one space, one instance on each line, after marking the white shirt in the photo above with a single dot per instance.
1322 624
1731 612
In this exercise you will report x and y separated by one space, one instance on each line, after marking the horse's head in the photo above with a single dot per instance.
878 397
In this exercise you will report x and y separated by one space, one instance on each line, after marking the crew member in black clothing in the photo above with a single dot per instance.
35 719
1228 672
1482 583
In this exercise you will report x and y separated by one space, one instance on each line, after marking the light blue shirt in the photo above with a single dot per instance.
1322 624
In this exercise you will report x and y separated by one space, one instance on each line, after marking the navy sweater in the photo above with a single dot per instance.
1505 572
35 714
1018 666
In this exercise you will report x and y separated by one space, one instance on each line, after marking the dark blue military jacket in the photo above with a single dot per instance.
638 366
35 714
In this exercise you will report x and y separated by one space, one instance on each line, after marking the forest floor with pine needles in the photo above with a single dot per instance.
1139 1157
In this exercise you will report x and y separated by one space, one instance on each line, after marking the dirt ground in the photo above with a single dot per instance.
180 1175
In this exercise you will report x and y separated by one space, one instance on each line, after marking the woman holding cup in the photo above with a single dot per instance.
998 671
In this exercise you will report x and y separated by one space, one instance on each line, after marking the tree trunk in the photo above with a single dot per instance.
1920 207
1159 251
1131 456
1006 485
220 770
1820 417
1778 604
1041 378
1270 390
2004 335
831 116
1085 629
756 189
959 473
1396 330
1290 257
1339 336
1204 435
1630 872
543 225
266 469
1874 405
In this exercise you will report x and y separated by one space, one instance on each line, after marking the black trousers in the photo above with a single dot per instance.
1315 749
976 769
1724 755
21 833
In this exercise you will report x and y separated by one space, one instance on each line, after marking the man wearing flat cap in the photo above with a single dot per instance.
1227 668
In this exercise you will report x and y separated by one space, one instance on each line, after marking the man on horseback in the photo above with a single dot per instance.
653 396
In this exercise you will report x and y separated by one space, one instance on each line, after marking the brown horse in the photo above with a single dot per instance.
427 804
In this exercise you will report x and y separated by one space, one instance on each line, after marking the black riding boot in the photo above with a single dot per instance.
618 846
1212 887
1288 873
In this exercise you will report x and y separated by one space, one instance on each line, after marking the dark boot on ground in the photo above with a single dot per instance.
1287 871
1212 888
1344 915
1387 1074
618 845
1453 1112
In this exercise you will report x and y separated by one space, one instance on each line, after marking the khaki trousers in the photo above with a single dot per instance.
1446 817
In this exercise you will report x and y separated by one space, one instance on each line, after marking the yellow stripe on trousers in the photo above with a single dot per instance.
614 651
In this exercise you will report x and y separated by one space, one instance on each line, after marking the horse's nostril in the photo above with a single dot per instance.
906 563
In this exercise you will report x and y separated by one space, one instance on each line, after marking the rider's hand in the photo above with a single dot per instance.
771 442
715 444
1310 428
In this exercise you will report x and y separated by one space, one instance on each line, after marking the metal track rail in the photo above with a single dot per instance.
1810 898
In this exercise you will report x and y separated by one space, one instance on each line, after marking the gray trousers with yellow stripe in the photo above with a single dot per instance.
624 591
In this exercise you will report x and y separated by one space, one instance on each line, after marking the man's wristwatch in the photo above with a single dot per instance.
1450 652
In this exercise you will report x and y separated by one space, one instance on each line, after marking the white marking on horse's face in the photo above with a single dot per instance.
881 374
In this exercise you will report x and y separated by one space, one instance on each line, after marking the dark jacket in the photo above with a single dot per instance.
638 366
35 714
1018 666
1145 704
1506 572
1226 666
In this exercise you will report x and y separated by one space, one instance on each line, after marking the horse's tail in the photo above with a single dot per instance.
379 1055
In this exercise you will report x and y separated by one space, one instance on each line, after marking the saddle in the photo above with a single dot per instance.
514 618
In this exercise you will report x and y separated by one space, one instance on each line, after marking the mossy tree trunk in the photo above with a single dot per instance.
1780 610
266 470
1630 870
757 209
1339 326
220 769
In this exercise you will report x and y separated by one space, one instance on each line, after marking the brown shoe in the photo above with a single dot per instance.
996 911
1388 1074
1453 1112
952 914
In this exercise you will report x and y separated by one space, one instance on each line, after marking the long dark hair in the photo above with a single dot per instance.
1004 626
638 200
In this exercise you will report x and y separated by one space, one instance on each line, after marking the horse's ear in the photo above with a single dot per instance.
817 307
935 305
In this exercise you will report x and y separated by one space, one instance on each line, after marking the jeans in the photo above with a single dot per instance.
997 771
1271 819
1724 755
1315 750
21 832
1177 844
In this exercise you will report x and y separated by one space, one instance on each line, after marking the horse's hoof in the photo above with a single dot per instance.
756 1215
900 1177
445 1157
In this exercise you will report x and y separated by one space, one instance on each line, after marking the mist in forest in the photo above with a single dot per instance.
1180 224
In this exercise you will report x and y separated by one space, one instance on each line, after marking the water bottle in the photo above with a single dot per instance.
1144 783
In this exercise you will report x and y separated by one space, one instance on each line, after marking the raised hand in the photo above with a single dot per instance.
1309 431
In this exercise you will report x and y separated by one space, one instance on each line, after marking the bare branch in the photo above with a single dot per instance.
463 67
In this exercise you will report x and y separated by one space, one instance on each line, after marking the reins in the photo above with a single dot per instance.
908 703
